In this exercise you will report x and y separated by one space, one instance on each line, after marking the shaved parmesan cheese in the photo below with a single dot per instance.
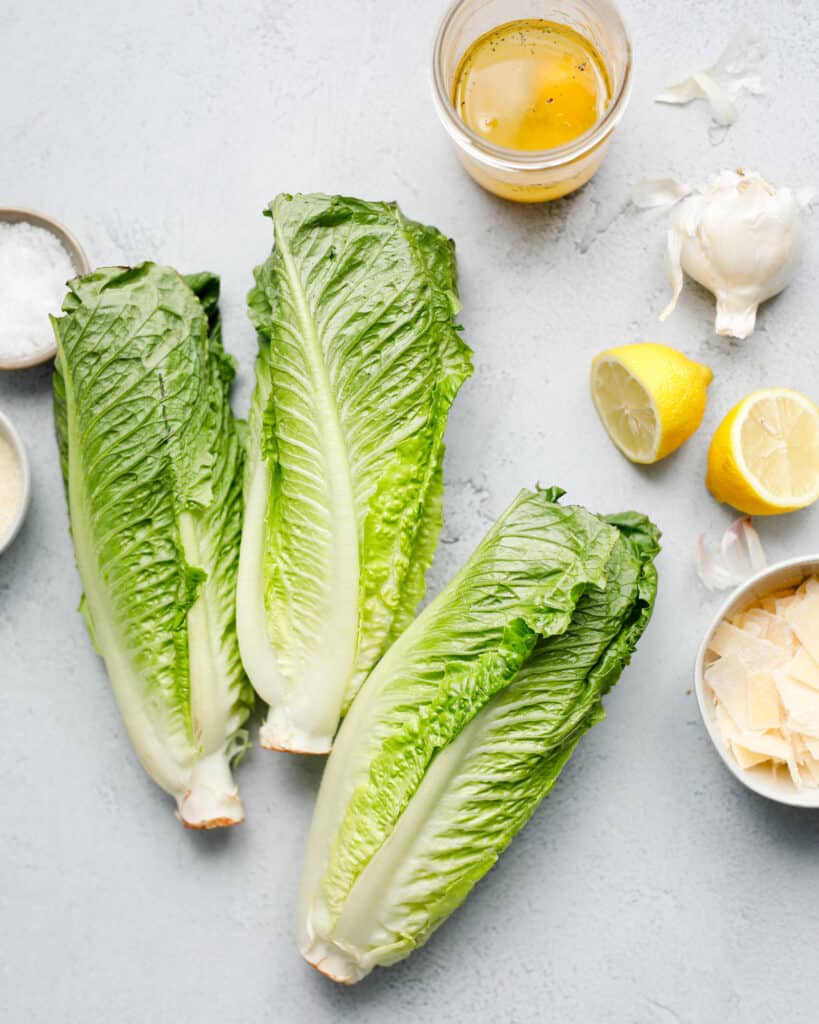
766 626
803 618
803 668
762 673
756 654
728 678
801 704
764 710
748 758
812 766
764 745
781 603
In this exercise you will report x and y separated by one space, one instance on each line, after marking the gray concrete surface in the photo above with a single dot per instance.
651 887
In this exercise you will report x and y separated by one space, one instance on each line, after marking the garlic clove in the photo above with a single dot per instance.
739 557
723 108
673 267
681 93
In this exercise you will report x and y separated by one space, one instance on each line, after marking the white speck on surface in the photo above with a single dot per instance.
34 268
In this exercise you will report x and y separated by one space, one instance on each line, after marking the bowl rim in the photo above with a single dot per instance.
502 158
804 565
12 435
17 215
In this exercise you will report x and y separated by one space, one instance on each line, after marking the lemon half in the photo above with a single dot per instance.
651 398
764 457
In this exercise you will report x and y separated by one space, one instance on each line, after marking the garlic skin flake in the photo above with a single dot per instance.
740 238
734 72
651 193
740 557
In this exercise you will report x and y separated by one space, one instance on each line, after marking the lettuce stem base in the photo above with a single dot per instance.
212 798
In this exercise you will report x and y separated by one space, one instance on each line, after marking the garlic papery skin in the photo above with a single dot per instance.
735 72
739 557
740 238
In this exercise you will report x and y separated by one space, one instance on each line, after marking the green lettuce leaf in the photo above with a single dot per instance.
153 472
466 723
359 362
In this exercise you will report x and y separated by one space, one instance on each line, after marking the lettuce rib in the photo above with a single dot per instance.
153 472
359 362
465 725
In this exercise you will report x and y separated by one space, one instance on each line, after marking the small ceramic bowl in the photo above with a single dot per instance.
16 215
9 433
760 779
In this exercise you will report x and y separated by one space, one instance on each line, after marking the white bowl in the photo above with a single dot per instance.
760 778
8 431
18 215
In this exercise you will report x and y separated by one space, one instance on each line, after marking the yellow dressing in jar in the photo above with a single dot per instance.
531 85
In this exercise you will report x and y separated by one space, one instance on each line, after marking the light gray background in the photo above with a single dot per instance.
651 887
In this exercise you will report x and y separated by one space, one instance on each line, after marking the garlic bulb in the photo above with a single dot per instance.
738 237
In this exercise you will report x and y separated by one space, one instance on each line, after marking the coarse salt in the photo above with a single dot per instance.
34 268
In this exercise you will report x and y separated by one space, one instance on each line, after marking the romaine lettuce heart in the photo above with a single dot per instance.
358 365
465 724
153 472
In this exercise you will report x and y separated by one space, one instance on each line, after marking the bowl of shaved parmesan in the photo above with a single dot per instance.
757 682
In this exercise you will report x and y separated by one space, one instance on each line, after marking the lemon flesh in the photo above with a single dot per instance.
764 457
651 398
626 410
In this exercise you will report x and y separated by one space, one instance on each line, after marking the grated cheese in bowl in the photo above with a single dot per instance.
761 671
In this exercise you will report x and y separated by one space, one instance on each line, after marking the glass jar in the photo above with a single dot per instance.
534 176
